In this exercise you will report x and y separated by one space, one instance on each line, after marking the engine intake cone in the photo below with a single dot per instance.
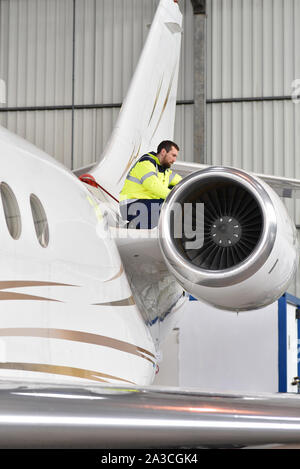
226 231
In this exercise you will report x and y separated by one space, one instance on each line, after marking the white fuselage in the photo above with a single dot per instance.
67 310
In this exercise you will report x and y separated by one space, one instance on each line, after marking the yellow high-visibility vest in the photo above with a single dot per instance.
147 179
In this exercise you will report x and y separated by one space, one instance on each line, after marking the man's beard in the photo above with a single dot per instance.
166 165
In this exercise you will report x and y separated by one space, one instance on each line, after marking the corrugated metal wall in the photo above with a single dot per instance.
36 63
77 57
253 53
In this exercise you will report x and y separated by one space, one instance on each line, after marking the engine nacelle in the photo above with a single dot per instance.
249 253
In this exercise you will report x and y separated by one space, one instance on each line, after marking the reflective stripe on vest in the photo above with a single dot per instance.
140 181
172 177
146 176
133 179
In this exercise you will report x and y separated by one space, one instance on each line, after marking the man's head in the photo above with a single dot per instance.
167 152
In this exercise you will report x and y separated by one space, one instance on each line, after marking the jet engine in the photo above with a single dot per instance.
227 238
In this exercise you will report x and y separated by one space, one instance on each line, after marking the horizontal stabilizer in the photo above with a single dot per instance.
285 187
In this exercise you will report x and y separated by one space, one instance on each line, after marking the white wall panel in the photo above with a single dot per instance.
257 136
36 51
183 132
252 47
92 127
49 130
220 351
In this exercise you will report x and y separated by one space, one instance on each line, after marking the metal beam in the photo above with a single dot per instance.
75 107
199 81
248 99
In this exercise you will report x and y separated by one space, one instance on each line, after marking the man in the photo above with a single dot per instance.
147 185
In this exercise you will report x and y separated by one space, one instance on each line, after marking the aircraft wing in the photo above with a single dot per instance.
285 187
111 416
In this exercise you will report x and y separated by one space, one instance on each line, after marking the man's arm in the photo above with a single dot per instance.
174 179
146 173
156 188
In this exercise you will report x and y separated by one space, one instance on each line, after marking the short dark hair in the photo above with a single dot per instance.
167 145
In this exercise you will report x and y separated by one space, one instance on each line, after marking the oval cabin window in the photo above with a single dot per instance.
11 211
40 220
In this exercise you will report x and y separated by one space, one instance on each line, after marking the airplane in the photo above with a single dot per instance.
87 301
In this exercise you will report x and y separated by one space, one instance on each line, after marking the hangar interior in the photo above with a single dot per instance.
263 356
65 66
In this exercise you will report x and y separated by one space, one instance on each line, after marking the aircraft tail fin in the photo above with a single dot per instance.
147 115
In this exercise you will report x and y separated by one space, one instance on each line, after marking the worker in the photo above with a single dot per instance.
147 185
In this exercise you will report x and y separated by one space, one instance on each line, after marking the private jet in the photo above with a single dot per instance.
86 302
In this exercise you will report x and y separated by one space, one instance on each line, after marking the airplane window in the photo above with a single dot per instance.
40 220
11 210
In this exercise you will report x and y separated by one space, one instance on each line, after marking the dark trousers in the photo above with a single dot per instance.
142 213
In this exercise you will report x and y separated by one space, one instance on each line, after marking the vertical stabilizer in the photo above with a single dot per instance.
148 112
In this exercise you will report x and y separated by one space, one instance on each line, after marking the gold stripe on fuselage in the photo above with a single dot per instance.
62 370
78 336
